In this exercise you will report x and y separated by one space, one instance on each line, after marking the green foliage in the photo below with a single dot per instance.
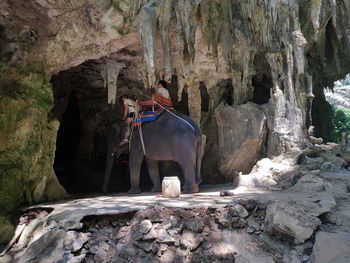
341 122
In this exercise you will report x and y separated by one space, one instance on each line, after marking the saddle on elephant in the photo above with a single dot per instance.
152 109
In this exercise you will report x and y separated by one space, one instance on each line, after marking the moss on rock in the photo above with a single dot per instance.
27 135
6 230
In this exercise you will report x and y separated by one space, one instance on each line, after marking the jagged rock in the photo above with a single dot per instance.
75 240
166 226
174 222
162 249
145 226
128 253
304 249
328 166
248 204
194 224
137 235
123 231
222 218
47 249
164 237
146 246
310 182
241 134
152 234
168 256
331 247
77 259
287 219
331 157
253 225
292 257
99 247
190 240
315 140
239 210
312 161
266 172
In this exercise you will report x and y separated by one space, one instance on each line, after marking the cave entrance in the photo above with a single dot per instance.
339 100
262 89
261 81
87 118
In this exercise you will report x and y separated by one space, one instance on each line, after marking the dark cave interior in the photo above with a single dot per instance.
86 119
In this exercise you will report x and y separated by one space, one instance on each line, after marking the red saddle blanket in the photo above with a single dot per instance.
151 109
156 100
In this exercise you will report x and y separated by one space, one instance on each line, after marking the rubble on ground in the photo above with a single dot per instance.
305 211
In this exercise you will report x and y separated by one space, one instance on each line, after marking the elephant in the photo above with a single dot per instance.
173 136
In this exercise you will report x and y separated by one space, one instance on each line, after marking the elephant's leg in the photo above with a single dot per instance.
135 162
188 167
153 171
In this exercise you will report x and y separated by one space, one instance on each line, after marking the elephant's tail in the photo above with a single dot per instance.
199 159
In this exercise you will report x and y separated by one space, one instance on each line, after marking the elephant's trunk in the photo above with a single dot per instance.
199 159
109 165
113 153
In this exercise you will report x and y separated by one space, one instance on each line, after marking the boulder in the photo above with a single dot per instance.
47 249
239 210
290 220
337 244
241 135
331 157
75 240
190 240
164 237
310 182
152 234
265 173
194 224
145 226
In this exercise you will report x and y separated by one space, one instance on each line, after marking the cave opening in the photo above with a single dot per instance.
262 85
87 120
338 97
261 81
67 142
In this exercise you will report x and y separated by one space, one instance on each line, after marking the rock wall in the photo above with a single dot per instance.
297 46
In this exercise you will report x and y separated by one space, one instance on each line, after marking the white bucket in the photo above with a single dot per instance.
171 187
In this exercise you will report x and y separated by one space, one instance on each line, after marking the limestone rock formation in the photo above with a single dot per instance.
241 136
277 53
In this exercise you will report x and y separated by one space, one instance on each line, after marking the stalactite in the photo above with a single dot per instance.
164 24
299 44
226 36
212 20
334 17
103 71
186 25
194 98
241 74
289 87
275 61
187 14
147 30
110 72
315 11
